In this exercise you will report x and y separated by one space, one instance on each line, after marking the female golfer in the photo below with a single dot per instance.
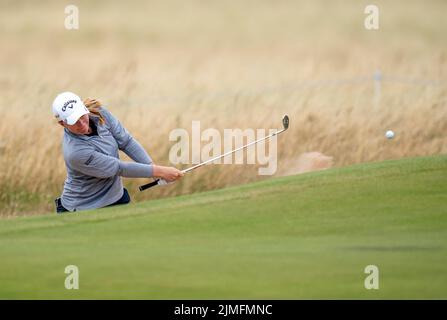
92 138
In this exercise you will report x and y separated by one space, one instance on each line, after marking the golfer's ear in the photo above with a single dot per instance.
61 123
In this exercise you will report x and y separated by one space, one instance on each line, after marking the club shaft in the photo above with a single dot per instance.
232 151
285 125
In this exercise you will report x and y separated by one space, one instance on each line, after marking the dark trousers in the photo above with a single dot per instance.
124 200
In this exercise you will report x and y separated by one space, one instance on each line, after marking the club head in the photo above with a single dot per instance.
285 122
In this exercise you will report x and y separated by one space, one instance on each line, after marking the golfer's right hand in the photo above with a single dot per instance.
169 174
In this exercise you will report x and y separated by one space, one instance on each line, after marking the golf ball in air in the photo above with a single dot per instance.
389 134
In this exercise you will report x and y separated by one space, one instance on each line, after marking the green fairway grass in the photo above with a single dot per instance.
305 236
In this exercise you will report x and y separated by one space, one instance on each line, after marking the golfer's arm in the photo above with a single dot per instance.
96 164
135 170
136 152
124 139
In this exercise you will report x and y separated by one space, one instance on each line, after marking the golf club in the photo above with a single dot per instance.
285 123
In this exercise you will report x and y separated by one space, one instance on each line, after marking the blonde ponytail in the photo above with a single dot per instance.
94 106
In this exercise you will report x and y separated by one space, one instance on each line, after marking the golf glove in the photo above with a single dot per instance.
163 182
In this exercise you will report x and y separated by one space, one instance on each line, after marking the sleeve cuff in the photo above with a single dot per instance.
135 170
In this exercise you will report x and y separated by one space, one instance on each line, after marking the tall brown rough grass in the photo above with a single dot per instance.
159 66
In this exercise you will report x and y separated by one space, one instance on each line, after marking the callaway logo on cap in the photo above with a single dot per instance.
68 107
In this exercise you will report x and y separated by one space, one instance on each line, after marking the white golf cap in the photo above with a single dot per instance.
68 107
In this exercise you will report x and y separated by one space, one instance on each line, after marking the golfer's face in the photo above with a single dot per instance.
81 126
